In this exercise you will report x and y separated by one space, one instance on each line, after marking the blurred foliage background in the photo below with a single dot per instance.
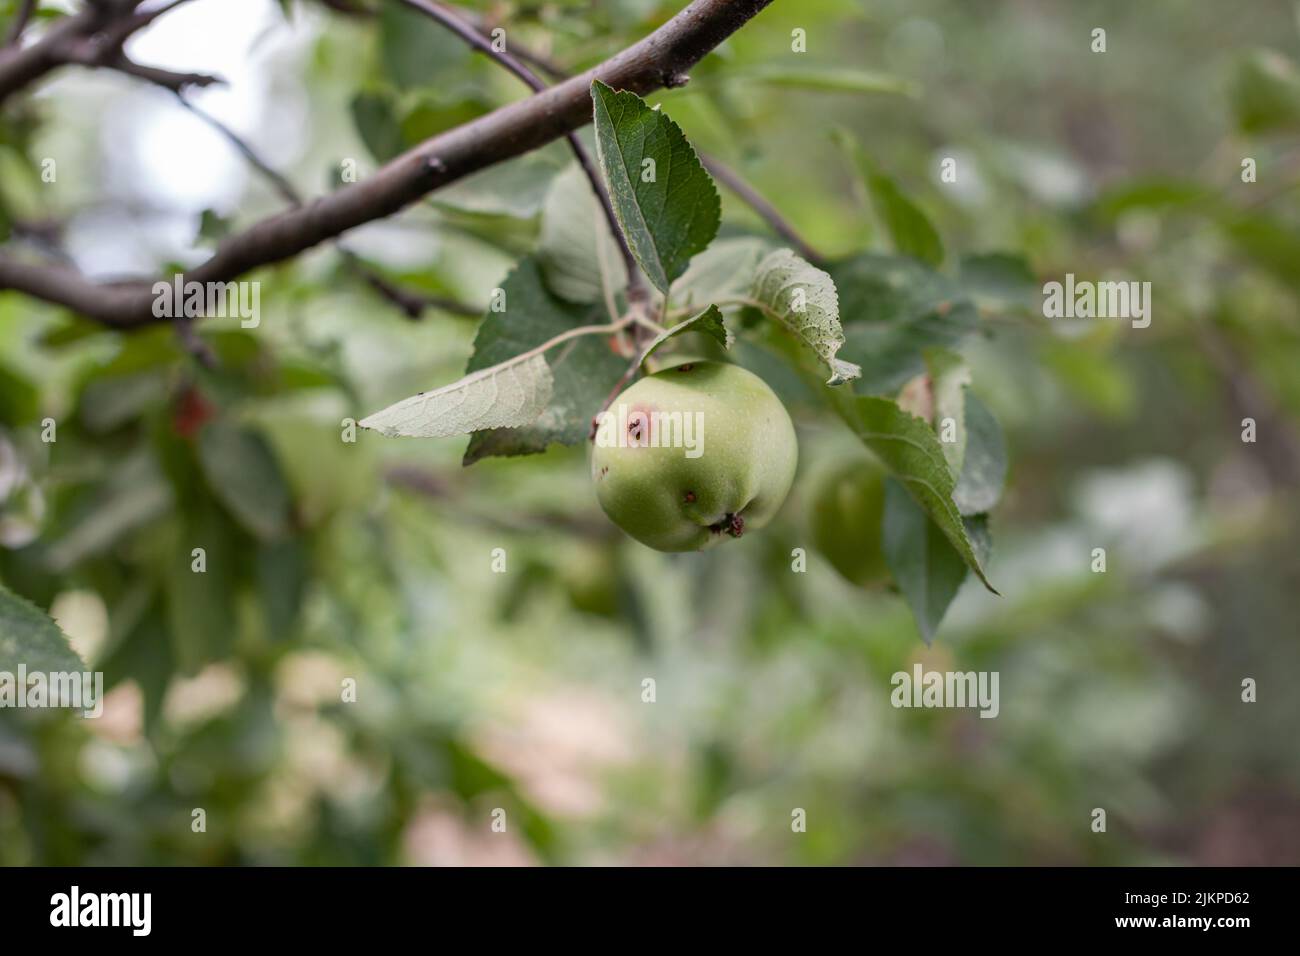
523 691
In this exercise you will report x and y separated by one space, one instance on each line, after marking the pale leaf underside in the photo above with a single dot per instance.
804 299
507 395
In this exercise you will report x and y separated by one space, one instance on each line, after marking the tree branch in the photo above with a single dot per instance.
93 37
662 57
721 172
636 288
412 304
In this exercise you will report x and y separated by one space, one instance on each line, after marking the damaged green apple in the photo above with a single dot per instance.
694 454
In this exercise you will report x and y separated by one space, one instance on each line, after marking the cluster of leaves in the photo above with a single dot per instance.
895 317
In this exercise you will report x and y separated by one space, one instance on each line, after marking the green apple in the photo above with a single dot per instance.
848 509
694 454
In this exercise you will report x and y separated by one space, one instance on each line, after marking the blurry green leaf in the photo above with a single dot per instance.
471 777
981 537
109 402
133 495
29 636
725 270
245 477
827 79
201 604
949 378
584 370
374 114
20 185
283 570
984 468
1091 376
708 322
430 115
139 649
146 350
1266 93
803 299
663 198
1000 282
909 228
213 225
1151 194
19 399
922 561
70 332
415 50
517 188
893 309
1268 243
576 245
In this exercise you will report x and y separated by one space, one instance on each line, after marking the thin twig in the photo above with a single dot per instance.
93 38
780 225
193 344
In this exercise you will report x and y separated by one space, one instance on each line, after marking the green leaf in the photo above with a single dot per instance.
1268 242
1001 282
29 636
725 270
822 79
1266 93
584 369
507 395
142 652
1152 194
243 473
949 378
135 494
375 117
981 538
200 611
803 299
663 198
213 225
416 51
984 469
893 309
108 402
19 399
430 115
517 188
283 570
709 322
908 447
576 247
922 561
909 228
